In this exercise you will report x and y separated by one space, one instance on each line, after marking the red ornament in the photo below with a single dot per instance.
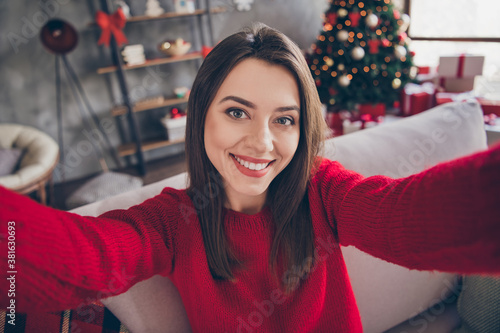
318 83
385 42
373 45
329 49
332 18
354 17
111 24
175 113
412 53
332 91
396 13
402 36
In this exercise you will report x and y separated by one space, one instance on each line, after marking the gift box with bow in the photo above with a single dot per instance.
417 98
456 73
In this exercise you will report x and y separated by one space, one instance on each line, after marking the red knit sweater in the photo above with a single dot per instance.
445 218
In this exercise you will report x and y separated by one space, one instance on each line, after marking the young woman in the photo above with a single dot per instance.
260 225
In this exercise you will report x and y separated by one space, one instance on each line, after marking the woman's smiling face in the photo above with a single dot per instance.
252 130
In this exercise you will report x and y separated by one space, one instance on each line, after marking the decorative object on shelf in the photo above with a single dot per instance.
361 54
153 8
243 5
124 7
181 92
108 183
457 73
134 54
417 98
111 24
175 48
175 124
184 6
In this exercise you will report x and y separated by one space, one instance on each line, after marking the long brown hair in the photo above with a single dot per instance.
293 236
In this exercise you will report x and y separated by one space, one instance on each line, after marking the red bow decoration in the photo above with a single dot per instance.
373 44
332 18
354 17
111 24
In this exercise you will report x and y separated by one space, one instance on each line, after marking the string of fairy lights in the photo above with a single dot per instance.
362 43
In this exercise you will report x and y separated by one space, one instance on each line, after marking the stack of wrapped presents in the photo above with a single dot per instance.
452 81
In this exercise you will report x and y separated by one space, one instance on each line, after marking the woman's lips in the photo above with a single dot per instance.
252 173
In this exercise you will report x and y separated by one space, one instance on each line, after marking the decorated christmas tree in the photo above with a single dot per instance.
361 55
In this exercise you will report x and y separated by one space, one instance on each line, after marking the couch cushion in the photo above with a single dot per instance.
9 160
103 186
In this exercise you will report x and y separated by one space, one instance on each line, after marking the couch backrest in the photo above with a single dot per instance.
386 294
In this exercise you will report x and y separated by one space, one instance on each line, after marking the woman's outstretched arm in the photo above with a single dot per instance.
445 218
59 260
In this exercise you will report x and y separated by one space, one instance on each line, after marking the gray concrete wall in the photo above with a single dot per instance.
27 70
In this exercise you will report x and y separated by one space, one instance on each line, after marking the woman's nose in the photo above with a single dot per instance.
261 139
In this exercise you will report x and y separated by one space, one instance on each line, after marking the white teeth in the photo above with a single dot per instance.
251 166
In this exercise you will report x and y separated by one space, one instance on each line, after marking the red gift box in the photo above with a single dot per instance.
424 70
489 106
375 110
417 98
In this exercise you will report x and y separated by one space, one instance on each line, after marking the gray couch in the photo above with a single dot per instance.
387 295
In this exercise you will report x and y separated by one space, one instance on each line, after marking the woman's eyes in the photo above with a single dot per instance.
240 114
236 113
285 121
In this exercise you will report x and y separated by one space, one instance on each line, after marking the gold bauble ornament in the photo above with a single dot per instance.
329 62
341 67
342 12
344 81
396 83
413 72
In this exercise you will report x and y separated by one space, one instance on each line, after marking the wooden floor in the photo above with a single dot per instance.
156 170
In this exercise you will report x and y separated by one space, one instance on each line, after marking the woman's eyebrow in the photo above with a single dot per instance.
253 106
238 100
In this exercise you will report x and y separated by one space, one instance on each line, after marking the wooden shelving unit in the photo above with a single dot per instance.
129 109
152 62
130 148
169 15
122 110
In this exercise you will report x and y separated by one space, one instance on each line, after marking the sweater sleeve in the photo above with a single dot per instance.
60 260
445 218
